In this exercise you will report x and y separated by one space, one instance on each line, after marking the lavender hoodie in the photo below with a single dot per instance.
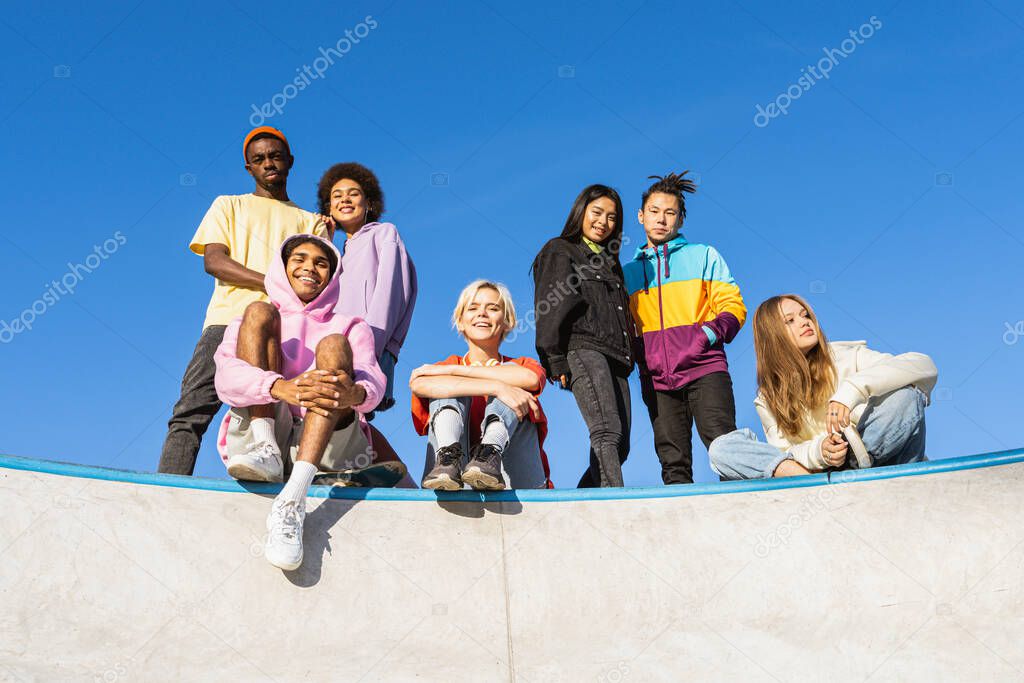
302 327
378 284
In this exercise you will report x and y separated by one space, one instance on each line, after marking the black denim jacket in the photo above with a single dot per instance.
580 302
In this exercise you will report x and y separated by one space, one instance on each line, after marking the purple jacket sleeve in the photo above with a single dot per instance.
725 298
389 310
239 384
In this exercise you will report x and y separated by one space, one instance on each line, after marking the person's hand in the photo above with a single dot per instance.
349 393
314 390
328 223
429 370
564 381
519 400
837 417
833 450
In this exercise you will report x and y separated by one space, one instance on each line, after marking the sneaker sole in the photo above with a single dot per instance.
864 459
284 565
482 482
442 483
245 473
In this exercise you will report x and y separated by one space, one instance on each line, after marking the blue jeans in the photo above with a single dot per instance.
386 362
520 462
892 428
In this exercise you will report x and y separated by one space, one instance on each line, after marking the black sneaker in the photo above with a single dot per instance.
483 471
447 468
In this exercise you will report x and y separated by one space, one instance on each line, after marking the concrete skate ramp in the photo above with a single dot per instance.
911 573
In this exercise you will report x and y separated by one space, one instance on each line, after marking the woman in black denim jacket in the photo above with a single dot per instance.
585 332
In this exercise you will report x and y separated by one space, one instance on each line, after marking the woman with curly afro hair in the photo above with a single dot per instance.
378 278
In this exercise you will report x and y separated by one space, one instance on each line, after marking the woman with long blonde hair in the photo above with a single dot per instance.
825 405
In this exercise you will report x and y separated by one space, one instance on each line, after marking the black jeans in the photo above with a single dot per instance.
708 400
195 409
602 393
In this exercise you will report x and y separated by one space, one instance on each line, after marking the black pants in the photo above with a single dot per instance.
195 408
708 400
602 394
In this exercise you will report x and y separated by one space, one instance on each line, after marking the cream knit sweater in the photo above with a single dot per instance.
862 374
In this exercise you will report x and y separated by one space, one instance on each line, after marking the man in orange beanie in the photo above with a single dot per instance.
237 239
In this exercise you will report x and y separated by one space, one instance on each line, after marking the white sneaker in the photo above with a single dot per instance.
284 534
262 462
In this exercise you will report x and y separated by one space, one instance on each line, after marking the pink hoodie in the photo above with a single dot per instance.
302 327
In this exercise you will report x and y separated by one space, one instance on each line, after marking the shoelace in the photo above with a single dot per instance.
286 519
446 456
489 454
264 453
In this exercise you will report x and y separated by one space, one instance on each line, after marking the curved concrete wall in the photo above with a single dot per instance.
914 577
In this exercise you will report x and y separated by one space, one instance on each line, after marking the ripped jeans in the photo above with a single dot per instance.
892 428
520 462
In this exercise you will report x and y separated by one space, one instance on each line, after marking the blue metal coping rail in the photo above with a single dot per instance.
968 462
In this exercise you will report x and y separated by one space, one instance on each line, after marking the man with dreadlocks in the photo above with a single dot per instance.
687 307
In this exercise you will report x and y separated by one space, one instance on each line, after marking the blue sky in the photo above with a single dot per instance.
888 193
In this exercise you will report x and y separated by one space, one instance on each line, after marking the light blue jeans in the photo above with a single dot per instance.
892 428
520 462
386 362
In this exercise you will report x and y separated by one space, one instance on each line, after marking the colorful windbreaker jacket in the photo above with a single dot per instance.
675 289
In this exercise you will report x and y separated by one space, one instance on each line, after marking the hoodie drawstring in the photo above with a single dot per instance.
665 252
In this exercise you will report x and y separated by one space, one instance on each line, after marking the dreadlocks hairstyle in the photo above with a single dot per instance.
674 184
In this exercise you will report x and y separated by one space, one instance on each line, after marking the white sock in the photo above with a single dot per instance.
495 434
263 431
447 427
299 482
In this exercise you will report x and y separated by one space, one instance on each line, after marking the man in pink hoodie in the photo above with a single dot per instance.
300 379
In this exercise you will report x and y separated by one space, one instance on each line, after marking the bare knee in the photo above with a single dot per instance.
333 352
790 468
262 315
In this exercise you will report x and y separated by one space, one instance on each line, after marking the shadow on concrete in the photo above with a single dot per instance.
316 541
461 505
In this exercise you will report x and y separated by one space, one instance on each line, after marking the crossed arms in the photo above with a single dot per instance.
512 384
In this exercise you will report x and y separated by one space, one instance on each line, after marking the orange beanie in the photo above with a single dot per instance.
269 130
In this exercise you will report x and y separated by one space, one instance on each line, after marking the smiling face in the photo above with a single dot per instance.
802 328
599 219
309 270
483 319
268 162
661 218
348 205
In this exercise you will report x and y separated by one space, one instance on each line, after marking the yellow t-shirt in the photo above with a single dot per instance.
253 229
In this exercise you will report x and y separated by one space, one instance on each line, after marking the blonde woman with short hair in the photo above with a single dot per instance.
825 406
480 410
